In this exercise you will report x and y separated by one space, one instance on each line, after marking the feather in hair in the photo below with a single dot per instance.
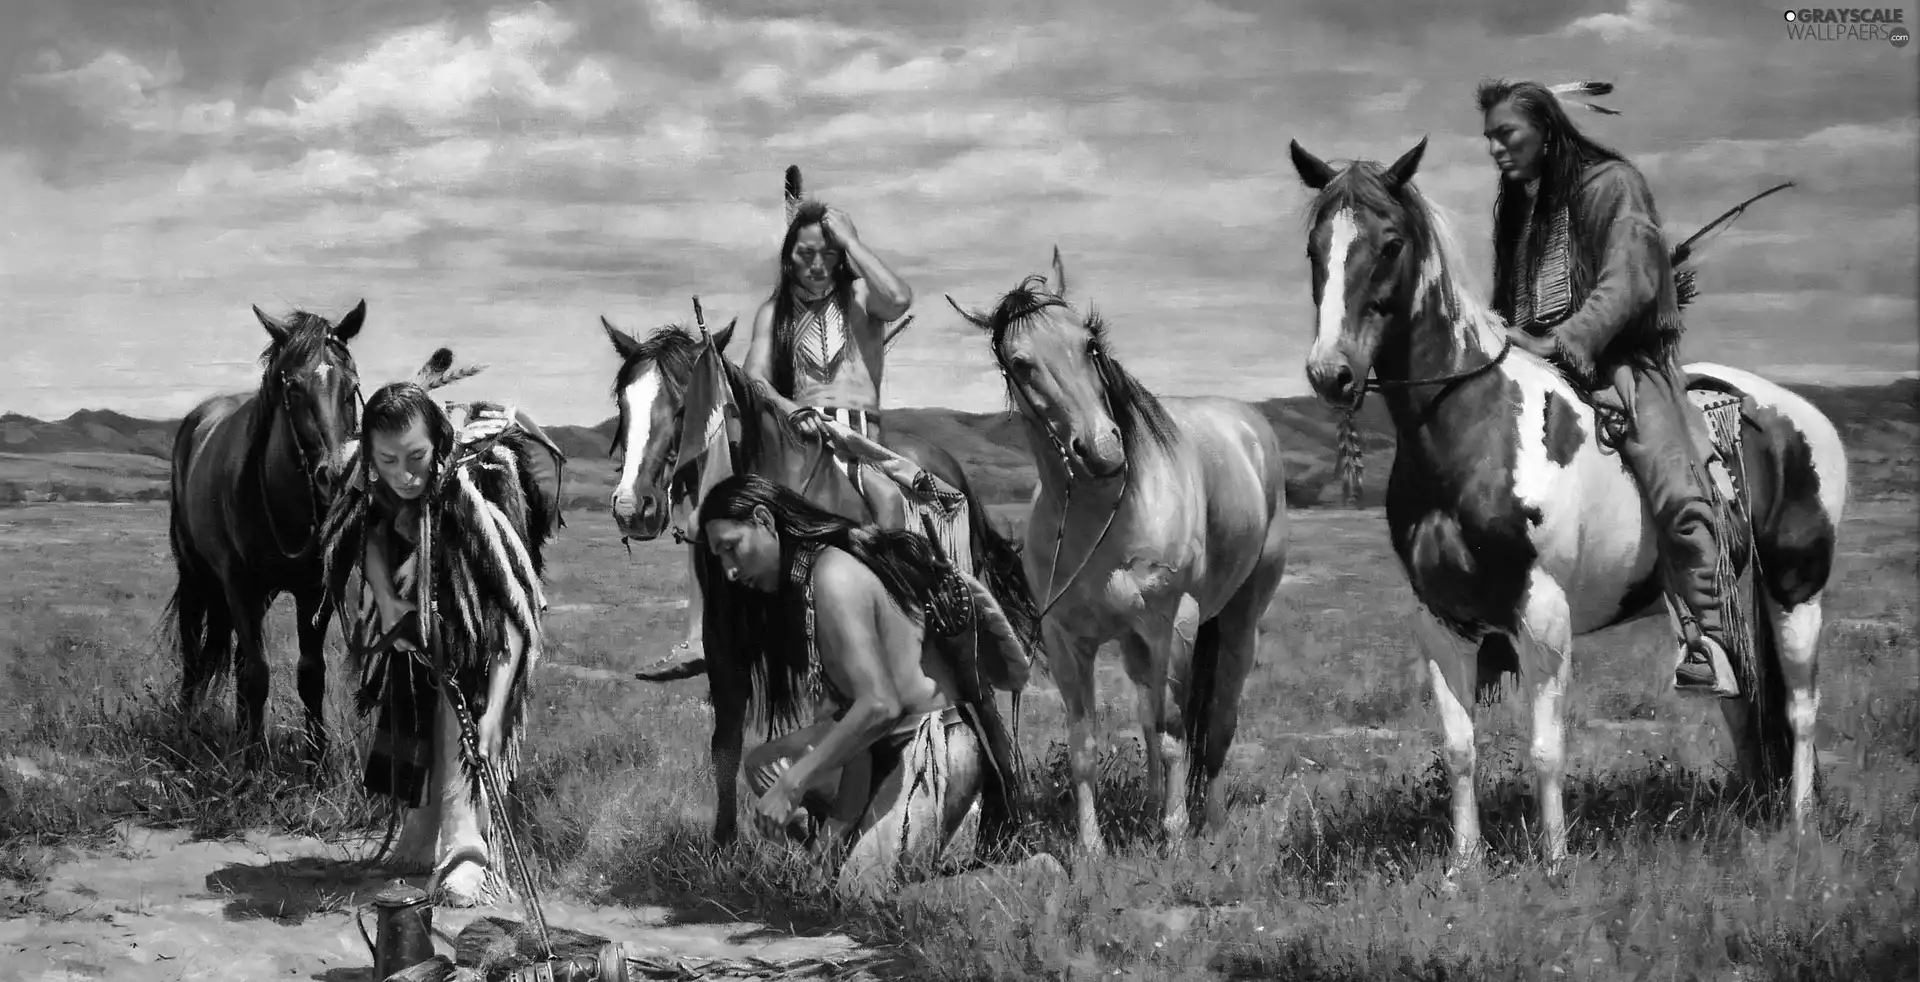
1582 90
793 191
448 378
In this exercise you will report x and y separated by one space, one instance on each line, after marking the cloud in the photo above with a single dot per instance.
114 87
498 172
1643 20
430 78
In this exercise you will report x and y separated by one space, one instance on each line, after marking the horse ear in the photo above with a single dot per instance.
975 319
1059 274
274 327
350 324
725 334
1402 170
1314 172
623 343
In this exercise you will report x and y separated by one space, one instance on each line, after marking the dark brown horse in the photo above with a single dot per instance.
252 477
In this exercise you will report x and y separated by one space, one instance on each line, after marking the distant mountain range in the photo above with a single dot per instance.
99 454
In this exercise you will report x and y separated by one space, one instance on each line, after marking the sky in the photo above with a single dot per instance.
496 177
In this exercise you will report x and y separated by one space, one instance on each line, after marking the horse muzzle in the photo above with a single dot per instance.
1334 381
641 517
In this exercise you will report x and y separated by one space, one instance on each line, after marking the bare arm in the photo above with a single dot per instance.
847 596
759 363
879 291
1627 282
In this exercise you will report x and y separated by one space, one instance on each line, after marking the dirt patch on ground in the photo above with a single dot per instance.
160 907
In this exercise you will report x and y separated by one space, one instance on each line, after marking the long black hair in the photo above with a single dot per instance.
772 628
1565 153
809 213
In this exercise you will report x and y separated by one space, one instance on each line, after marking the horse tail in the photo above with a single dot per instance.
996 560
1202 679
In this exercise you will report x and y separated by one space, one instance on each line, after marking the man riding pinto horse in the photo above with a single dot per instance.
1583 277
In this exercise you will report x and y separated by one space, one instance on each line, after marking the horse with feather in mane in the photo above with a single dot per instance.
452 684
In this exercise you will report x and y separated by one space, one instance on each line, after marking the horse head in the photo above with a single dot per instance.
312 381
651 390
1365 276
1058 372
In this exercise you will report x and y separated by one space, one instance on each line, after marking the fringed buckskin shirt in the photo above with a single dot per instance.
1625 310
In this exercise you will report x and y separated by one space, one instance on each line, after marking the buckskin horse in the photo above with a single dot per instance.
670 388
1177 508
1515 529
252 477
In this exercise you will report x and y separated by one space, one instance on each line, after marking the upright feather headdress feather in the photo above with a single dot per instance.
792 192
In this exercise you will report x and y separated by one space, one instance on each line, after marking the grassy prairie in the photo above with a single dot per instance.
1330 866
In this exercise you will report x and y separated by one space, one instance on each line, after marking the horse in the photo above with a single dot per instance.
656 392
1515 528
1177 506
252 478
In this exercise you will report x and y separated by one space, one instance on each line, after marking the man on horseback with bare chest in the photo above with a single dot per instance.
1583 277
820 340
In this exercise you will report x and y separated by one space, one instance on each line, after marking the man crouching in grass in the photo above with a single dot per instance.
855 618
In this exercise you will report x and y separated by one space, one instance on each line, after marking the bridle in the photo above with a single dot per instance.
308 469
1066 463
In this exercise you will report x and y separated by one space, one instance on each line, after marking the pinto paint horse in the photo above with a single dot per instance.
1515 529
252 477
667 385
1177 507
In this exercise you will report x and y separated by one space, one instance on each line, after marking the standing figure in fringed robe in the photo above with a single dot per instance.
857 618
1583 277
474 505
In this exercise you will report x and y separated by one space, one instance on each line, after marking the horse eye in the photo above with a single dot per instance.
1391 250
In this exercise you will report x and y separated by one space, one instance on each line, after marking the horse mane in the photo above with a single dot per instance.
672 347
1137 411
755 399
1445 275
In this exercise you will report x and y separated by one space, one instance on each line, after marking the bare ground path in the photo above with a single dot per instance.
160 908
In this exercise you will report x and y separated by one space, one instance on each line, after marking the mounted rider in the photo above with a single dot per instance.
1583 277
819 341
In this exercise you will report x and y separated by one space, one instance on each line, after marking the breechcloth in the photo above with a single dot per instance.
913 789
1667 451
860 421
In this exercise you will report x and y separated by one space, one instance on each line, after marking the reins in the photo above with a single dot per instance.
1066 462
